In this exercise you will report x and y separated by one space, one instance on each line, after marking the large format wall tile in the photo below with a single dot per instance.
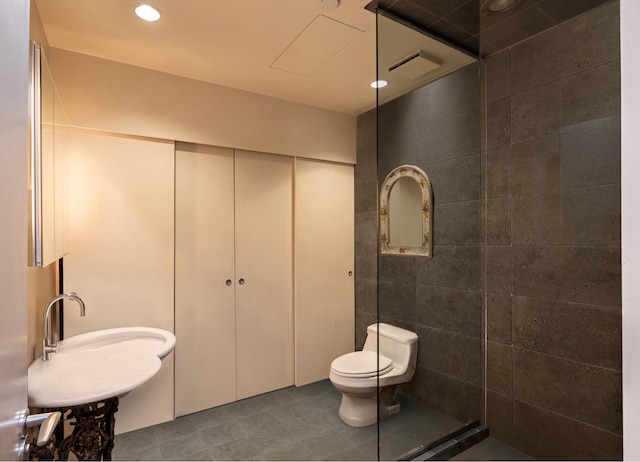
455 180
451 354
567 104
455 310
498 212
366 128
456 266
499 273
397 300
546 435
583 42
396 268
366 228
586 333
398 115
366 295
458 399
450 95
365 190
500 417
537 270
591 156
498 123
499 318
500 368
458 223
536 218
591 216
395 148
498 76
455 136
592 275
366 261
535 166
363 320
498 172
579 391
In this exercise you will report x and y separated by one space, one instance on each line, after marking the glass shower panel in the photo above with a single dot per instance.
429 115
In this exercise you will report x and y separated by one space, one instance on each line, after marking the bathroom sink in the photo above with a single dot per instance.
91 367
85 377
158 342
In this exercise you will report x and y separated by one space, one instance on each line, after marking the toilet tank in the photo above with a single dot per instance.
399 345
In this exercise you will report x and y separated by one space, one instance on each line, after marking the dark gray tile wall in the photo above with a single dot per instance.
526 231
438 128
554 335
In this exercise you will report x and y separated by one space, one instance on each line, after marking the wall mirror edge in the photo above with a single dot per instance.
387 246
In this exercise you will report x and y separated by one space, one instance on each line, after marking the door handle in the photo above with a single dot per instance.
47 421
228 282
241 281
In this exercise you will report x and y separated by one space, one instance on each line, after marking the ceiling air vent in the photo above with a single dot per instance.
416 65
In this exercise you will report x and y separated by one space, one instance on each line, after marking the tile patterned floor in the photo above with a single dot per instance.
292 424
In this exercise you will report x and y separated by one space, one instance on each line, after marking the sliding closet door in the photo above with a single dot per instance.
324 267
205 288
264 301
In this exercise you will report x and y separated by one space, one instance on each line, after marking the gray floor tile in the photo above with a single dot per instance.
211 417
295 424
245 407
276 398
353 453
135 440
179 427
294 451
324 444
306 425
273 438
183 447
148 453
223 433
241 449
257 422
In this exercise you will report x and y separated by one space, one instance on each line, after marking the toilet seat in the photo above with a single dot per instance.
361 364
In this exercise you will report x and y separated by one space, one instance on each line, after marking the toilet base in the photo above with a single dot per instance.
364 410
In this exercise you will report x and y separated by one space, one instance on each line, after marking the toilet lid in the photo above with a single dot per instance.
361 364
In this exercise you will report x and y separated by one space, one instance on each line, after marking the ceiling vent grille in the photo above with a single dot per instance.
416 65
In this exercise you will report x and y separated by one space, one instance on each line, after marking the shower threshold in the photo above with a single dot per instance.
451 444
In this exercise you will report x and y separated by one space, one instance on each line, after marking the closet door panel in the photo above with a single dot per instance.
264 301
325 300
205 304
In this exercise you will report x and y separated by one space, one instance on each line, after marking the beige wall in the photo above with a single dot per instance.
116 97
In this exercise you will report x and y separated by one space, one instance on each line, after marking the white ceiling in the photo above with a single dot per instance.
289 49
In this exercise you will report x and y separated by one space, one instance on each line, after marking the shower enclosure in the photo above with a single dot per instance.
518 329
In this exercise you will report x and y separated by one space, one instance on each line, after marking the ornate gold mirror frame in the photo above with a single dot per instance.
420 177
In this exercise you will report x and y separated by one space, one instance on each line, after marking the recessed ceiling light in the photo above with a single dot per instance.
498 6
147 12
379 84
330 4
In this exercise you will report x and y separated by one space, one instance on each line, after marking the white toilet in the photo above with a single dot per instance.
356 374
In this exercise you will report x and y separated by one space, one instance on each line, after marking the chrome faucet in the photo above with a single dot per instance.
48 347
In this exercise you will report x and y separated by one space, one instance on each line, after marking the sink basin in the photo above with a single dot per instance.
98 365
86 377
158 342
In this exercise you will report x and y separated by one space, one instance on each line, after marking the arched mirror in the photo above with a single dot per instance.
405 213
